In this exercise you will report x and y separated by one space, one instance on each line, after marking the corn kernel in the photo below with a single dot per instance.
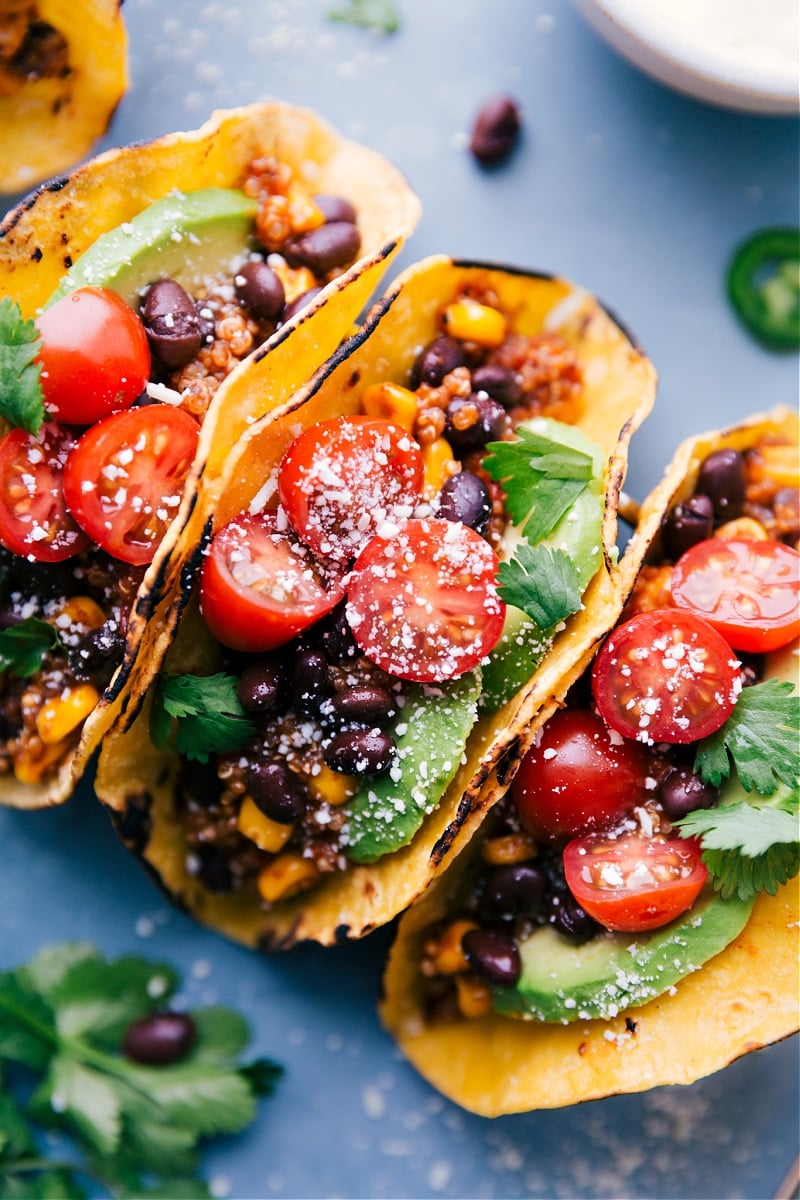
83 611
32 760
304 214
777 463
511 848
747 528
438 465
267 834
448 958
333 787
473 996
473 322
287 875
392 402
61 716
295 280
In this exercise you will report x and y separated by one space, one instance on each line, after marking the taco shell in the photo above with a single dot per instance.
132 775
47 232
744 998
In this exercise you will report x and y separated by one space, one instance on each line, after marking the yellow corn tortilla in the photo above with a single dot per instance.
47 232
619 391
744 998
47 124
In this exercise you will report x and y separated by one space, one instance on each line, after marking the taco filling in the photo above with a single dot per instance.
627 851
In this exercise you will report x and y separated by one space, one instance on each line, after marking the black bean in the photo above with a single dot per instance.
260 290
437 359
493 955
294 306
688 524
213 869
490 423
259 686
160 1038
276 791
336 208
513 890
465 497
360 752
8 617
681 791
570 920
171 323
99 652
498 382
495 129
722 478
325 248
310 679
362 705
200 783
335 637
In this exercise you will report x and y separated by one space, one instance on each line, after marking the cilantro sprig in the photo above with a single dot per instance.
139 1128
23 646
201 712
380 16
541 478
21 398
760 737
543 582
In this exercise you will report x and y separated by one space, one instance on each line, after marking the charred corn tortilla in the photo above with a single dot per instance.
46 233
744 998
63 70
619 391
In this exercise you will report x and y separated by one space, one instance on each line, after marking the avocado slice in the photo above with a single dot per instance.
431 734
183 237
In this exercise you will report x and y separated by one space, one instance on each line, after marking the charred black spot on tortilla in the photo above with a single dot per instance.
631 1025
64 238
134 824
37 255
354 379
508 760
67 261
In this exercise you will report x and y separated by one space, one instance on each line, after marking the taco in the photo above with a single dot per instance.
627 916
140 284
370 690
63 70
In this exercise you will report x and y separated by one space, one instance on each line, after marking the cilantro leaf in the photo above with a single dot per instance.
541 478
99 998
210 717
21 399
747 848
27 1023
82 1097
760 737
380 16
24 645
543 582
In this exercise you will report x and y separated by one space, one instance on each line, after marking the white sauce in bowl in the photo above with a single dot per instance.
761 33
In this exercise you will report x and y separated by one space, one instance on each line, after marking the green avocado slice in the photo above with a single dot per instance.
182 237
431 734
562 983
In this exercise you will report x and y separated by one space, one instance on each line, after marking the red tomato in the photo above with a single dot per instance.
34 519
665 676
633 883
423 603
342 479
124 480
94 355
748 590
579 776
260 587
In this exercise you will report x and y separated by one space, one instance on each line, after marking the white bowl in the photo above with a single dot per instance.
742 54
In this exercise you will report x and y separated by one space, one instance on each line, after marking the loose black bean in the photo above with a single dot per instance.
465 497
722 478
259 686
490 423
294 306
360 752
336 208
513 890
213 869
260 290
172 325
681 792
362 705
325 248
495 129
493 955
688 524
498 382
310 679
160 1038
570 920
437 359
276 791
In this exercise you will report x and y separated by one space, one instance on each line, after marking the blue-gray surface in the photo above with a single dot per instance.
640 195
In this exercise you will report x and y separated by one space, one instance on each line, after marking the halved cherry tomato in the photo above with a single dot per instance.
94 355
260 587
124 479
749 591
665 676
341 479
423 603
580 776
34 519
633 883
